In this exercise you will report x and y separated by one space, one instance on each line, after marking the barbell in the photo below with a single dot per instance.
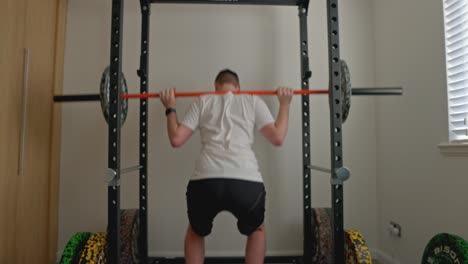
104 93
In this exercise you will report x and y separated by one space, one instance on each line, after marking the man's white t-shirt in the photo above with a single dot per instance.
227 123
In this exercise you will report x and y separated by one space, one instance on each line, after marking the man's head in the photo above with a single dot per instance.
227 80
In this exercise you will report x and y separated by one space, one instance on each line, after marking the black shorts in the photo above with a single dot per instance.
244 199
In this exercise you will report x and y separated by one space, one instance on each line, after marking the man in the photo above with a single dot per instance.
226 175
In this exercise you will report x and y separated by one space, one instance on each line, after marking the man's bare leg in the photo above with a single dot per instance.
255 249
194 247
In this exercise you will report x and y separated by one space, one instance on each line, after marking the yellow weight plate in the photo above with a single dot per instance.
356 249
94 251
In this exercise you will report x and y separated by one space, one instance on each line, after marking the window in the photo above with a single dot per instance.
456 48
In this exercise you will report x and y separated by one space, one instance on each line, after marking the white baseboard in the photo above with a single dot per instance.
176 254
383 257
376 254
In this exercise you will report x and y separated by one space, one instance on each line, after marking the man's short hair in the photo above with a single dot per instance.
227 76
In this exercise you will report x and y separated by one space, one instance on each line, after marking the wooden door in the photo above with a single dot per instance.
12 70
33 192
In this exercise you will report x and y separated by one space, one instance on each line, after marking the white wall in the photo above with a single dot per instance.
417 186
189 45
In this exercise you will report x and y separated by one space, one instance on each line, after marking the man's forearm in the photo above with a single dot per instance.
282 120
172 125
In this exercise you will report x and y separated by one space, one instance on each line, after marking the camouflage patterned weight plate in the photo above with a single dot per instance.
72 251
315 239
128 238
324 234
345 90
446 249
94 251
356 250
136 239
105 94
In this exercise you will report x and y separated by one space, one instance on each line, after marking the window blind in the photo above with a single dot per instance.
456 42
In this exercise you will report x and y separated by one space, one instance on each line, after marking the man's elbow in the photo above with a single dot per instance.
277 141
175 142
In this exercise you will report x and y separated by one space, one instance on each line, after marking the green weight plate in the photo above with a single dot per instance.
345 90
356 249
94 250
128 221
446 249
105 94
73 249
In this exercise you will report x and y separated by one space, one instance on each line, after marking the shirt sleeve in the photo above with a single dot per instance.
262 113
192 115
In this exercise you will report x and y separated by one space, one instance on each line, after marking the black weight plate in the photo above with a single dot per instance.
345 90
104 93
446 249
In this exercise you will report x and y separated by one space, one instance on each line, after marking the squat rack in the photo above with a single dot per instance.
113 244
